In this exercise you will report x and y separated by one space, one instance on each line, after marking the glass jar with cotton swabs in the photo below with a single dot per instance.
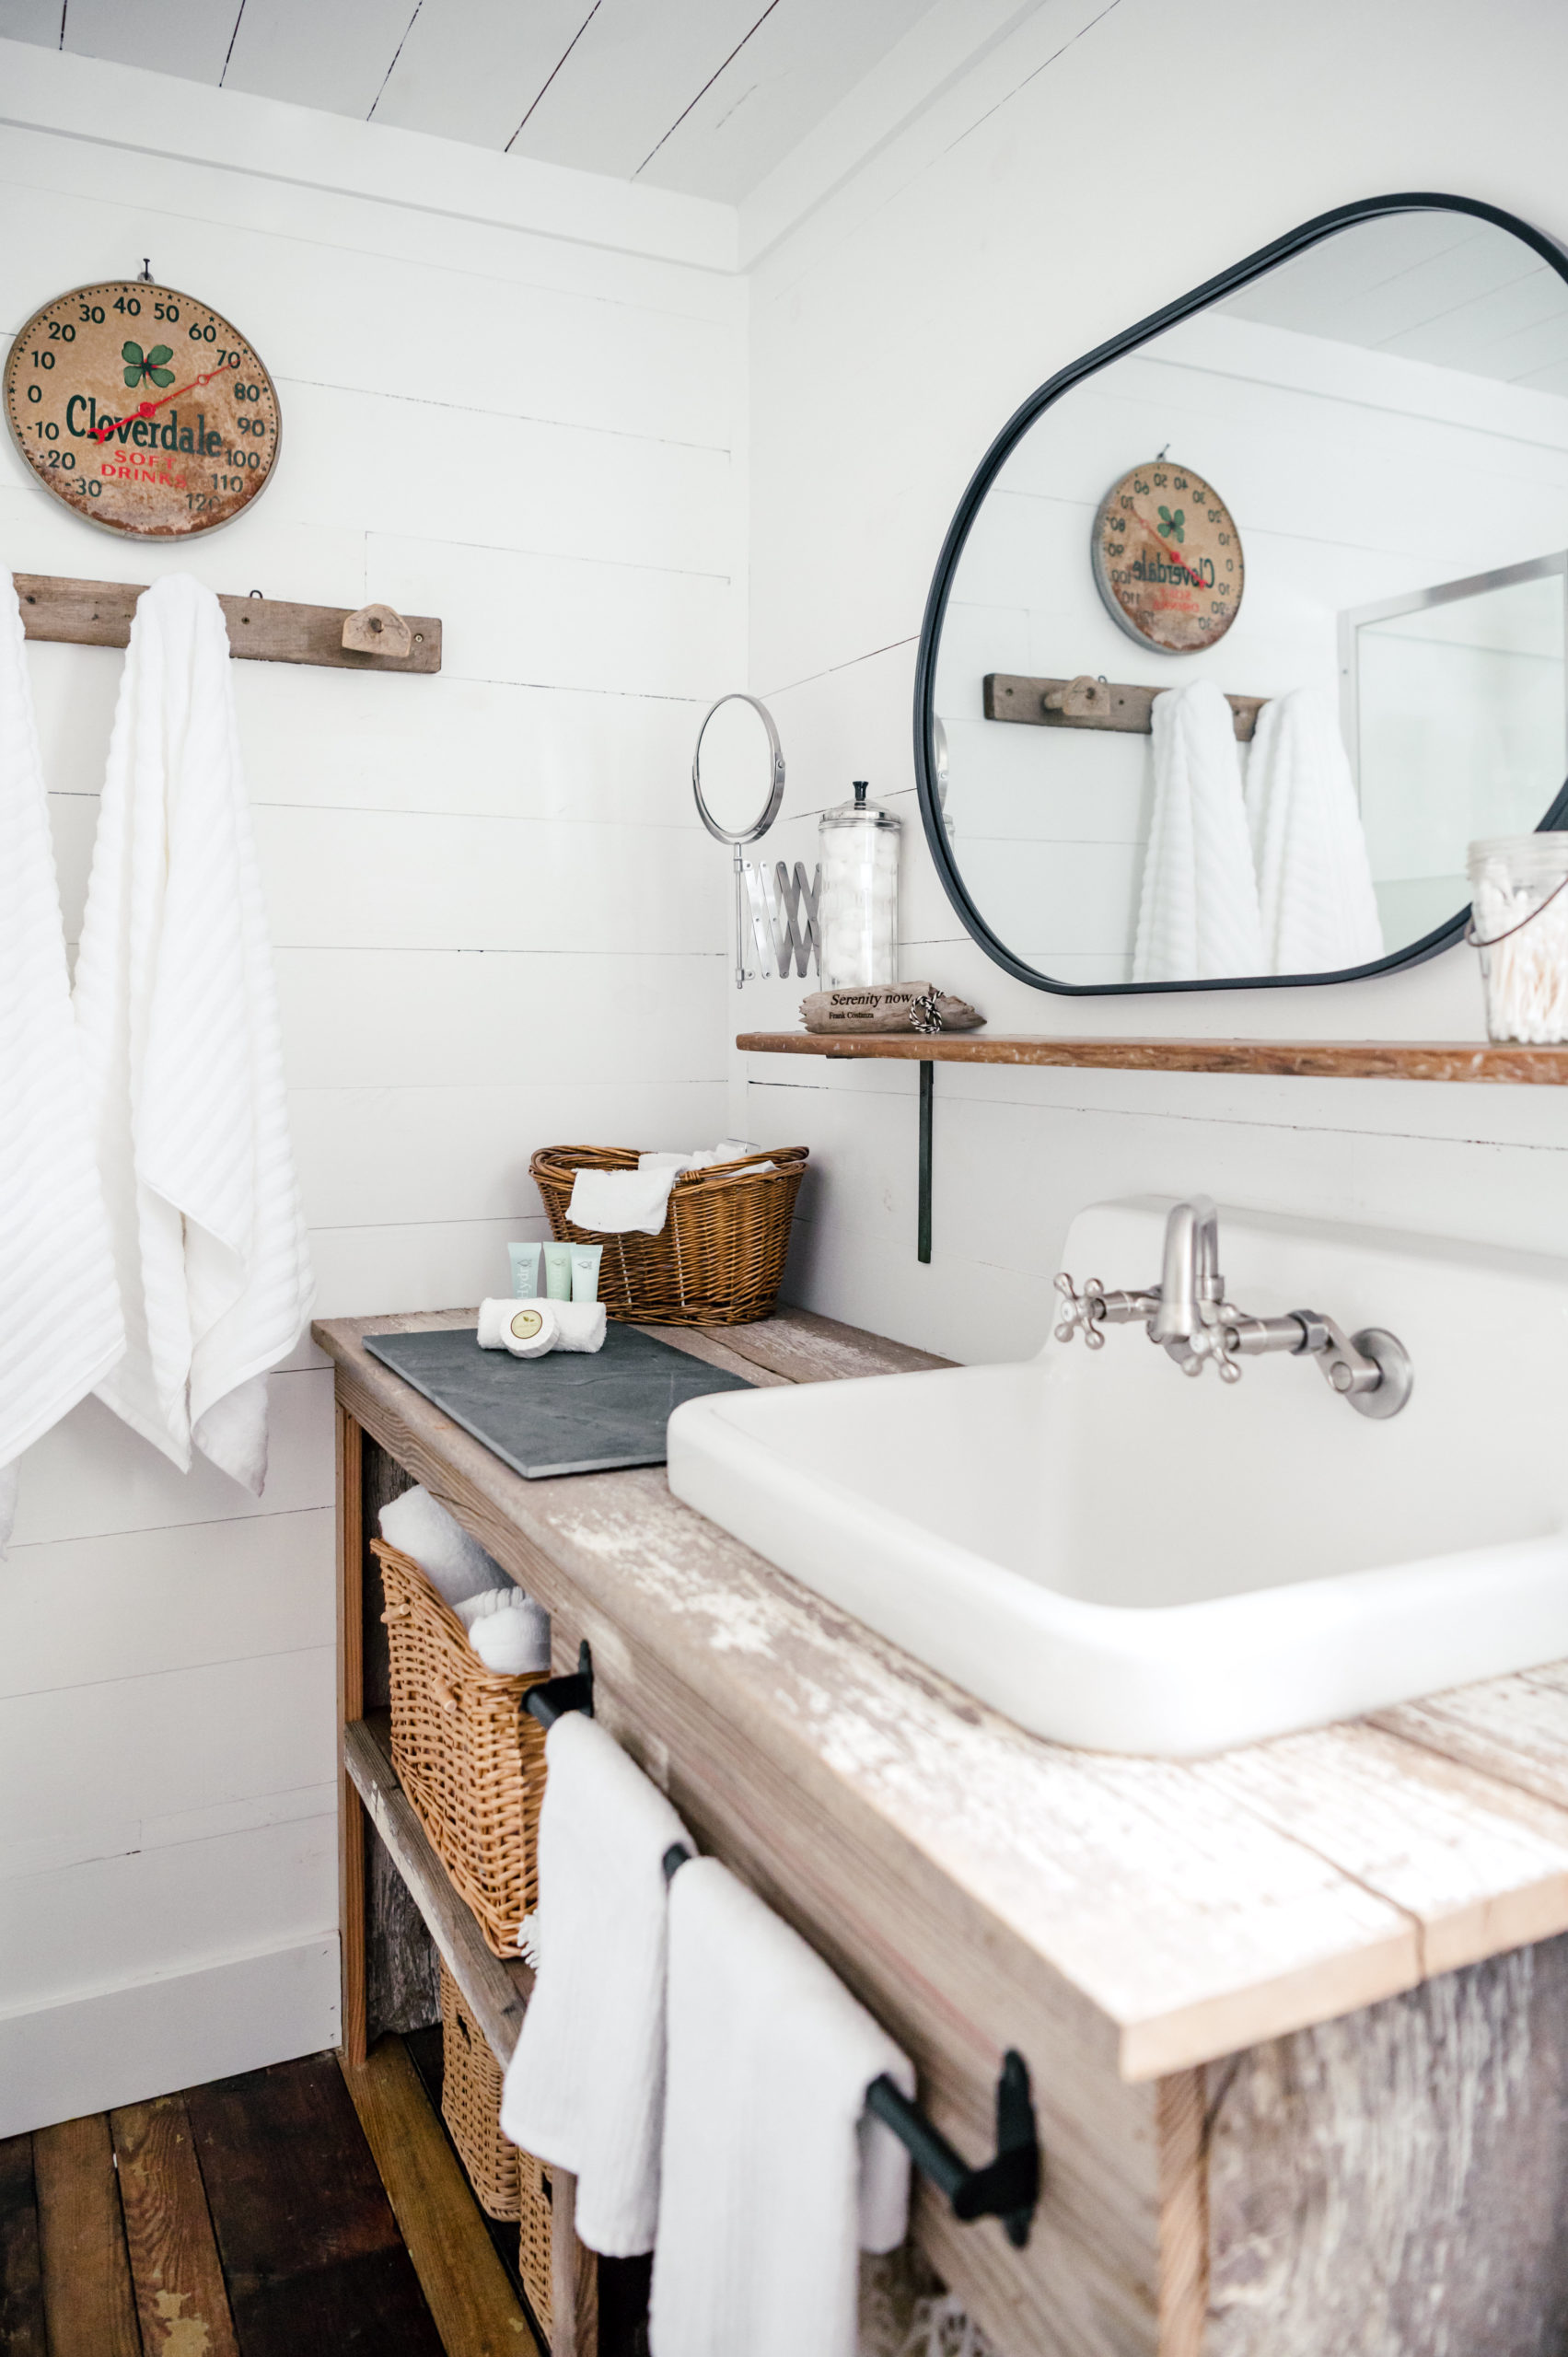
1519 923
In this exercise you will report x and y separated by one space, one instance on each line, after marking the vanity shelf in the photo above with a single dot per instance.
1470 1060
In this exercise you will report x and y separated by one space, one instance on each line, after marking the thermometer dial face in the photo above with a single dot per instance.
142 409
1167 558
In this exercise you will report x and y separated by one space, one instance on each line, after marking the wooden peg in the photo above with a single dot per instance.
377 630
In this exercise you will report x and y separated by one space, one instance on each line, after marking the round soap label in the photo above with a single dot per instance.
526 1324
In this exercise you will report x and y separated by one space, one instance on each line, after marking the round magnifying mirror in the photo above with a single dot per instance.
738 769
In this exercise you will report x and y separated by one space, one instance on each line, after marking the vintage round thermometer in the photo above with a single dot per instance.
142 409
1167 558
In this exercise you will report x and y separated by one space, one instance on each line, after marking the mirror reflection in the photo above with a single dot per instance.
1258 627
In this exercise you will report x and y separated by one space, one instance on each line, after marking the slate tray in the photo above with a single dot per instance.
572 1411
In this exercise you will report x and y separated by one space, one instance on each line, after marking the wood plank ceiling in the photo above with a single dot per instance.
700 96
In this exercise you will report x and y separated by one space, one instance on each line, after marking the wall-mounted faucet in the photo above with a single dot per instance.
1188 1315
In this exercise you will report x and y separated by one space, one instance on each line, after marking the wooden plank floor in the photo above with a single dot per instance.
243 2219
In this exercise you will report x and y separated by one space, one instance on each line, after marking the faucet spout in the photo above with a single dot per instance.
1189 1277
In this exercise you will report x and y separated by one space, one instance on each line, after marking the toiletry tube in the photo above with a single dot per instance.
531 1330
558 1272
586 1259
525 1270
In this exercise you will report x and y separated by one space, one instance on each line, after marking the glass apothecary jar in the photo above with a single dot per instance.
1519 923
860 892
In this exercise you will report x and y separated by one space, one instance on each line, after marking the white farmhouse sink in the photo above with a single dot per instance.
1120 1557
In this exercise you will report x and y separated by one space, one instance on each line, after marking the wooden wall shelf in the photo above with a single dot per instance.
1455 1059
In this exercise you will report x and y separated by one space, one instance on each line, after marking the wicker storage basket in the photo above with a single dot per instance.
467 1754
470 2106
719 1258
533 2239
507 2183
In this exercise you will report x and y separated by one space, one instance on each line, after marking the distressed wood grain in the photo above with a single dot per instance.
476 2310
181 2304
1396 2184
260 630
310 2248
22 2329
88 2300
350 1552
1512 1728
1450 1060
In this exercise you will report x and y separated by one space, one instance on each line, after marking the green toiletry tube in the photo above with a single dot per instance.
558 1272
586 1259
525 1270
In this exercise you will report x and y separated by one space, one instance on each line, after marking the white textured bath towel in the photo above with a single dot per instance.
1318 907
773 2174
1197 913
584 2089
61 1329
183 1056
456 1566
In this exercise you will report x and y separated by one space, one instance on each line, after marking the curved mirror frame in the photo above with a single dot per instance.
930 767
769 810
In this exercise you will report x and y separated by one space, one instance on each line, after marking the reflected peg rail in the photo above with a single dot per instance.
1087 702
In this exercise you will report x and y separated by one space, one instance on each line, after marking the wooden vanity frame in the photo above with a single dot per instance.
1296 2018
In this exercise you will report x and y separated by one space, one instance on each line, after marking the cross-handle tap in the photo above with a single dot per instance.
1188 1315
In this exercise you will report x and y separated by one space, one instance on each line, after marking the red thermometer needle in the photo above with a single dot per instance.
150 409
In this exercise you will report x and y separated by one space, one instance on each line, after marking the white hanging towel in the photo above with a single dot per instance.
1198 915
61 1329
1319 910
183 1058
584 2087
772 2173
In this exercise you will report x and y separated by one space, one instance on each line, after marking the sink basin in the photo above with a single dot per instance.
1119 1557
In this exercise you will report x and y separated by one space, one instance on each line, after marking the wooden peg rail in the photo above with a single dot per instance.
262 630
1085 703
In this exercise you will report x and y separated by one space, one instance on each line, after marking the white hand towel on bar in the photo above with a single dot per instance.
183 1056
1319 910
773 2174
60 1330
1197 913
584 2087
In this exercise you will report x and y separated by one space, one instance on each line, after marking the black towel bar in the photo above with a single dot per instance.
1006 2187
557 1695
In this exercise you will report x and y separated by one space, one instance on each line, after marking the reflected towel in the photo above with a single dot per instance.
60 1330
772 2173
183 1054
584 2089
1319 910
1198 916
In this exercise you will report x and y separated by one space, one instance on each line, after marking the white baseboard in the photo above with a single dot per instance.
123 2046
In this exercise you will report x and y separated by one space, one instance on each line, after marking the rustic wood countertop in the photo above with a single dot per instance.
1194 1908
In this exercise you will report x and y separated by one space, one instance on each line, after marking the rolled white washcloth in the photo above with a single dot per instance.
579 1325
516 1641
456 1566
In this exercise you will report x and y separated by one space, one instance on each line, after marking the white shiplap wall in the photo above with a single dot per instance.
496 925
951 255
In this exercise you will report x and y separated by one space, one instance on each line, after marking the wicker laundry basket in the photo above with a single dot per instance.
507 2182
468 1755
719 1258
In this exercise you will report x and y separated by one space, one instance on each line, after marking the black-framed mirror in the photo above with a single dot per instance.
1251 619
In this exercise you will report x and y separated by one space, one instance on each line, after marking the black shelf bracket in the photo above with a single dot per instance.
558 1695
1006 2187
927 1100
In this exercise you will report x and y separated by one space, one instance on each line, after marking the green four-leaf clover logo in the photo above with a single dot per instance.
137 367
1174 527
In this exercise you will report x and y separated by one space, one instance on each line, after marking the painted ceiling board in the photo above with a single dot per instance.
802 57
634 72
189 38
471 69
34 21
329 53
